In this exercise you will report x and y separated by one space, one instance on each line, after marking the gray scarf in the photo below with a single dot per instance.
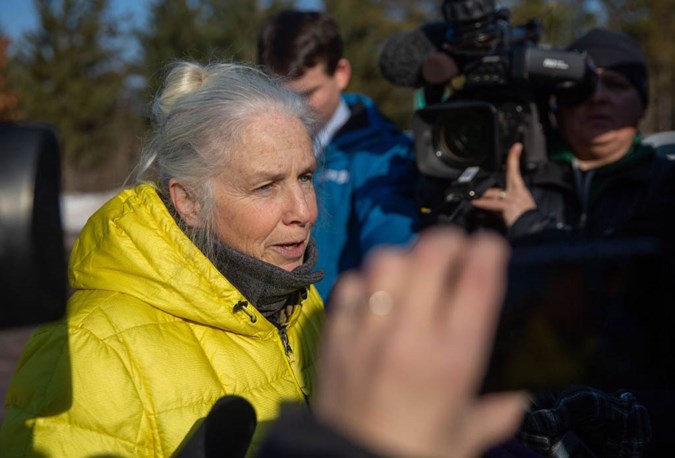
270 289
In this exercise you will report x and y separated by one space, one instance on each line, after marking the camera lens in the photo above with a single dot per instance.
464 137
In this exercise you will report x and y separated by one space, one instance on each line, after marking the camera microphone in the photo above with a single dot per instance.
413 59
227 430
439 68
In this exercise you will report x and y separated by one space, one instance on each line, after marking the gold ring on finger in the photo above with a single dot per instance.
380 303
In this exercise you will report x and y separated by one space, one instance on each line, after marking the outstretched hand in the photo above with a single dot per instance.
513 201
407 345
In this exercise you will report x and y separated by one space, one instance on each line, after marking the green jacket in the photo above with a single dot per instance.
630 197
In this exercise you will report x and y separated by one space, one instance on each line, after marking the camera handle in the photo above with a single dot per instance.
470 185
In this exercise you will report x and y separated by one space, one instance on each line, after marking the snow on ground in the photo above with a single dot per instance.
76 208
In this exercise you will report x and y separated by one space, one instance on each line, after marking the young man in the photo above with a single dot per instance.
367 174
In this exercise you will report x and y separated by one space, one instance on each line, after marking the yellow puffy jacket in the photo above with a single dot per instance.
150 342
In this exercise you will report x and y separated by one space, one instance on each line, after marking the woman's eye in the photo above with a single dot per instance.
265 187
306 178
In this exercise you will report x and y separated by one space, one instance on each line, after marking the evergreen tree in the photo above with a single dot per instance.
561 21
364 26
203 31
9 100
172 33
70 75
223 26
651 22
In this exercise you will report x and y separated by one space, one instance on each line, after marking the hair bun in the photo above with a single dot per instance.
183 78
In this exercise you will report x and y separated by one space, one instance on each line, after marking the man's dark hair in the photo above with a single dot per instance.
293 41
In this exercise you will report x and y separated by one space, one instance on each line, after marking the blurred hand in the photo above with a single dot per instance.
407 345
513 201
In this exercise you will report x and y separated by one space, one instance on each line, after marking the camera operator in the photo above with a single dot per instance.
601 180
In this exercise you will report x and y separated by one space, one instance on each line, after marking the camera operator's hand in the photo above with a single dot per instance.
407 347
513 201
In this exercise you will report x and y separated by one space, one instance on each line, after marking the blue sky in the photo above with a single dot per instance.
17 16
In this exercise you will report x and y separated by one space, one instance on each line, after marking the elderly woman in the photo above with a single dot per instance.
195 284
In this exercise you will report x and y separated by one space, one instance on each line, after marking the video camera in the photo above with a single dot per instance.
500 84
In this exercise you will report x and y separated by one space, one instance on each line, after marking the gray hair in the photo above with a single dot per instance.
200 114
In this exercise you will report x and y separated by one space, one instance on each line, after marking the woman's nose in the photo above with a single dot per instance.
298 206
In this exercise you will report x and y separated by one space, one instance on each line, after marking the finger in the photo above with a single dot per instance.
385 273
476 302
514 179
337 347
384 268
345 307
496 205
494 418
433 263
493 193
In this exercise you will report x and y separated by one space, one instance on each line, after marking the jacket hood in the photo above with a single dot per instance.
366 128
134 247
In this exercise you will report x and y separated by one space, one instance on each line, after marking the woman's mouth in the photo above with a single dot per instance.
292 250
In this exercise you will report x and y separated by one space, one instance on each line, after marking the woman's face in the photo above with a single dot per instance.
264 199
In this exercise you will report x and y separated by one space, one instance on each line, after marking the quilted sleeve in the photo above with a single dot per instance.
72 395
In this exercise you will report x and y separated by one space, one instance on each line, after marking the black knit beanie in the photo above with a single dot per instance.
618 52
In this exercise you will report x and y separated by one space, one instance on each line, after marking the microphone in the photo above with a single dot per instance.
32 261
413 59
227 430
439 68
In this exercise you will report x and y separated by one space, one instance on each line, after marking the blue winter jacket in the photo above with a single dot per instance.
365 187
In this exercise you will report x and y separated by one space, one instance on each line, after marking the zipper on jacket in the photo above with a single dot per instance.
242 306
582 182
284 340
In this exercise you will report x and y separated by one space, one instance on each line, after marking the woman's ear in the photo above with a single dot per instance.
184 203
